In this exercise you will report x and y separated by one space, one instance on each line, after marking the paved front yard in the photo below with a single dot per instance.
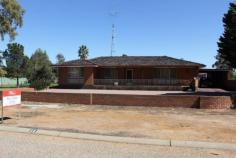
152 122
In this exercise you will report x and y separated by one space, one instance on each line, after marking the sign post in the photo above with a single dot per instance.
2 114
10 98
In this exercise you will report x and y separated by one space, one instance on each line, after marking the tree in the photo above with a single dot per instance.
40 74
16 61
226 56
221 63
2 71
2 59
83 52
11 17
60 58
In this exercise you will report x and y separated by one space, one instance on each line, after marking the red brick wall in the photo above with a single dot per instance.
186 101
215 102
62 75
144 100
187 73
138 73
69 98
88 76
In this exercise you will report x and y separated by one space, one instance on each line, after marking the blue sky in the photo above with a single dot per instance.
187 29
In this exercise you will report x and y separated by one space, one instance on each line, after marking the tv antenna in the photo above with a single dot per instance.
113 15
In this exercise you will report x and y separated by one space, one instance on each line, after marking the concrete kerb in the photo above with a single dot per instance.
129 140
117 139
198 144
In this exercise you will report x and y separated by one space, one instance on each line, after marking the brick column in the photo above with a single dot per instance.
88 76
62 75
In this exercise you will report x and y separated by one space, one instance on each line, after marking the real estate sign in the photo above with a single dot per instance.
11 98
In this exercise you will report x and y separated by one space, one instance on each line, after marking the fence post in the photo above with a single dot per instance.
91 98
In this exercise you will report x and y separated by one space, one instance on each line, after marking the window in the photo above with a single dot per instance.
129 74
110 73
202 75
173 73
76 73
165 73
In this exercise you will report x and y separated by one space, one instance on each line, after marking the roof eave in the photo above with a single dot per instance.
200 66
74 66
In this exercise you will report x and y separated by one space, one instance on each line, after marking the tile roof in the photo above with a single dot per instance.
78 62
132 61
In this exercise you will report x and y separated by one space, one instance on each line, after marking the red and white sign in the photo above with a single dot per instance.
11 97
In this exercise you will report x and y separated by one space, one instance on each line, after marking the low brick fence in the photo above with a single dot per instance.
49 97
185 101
146 100
215 102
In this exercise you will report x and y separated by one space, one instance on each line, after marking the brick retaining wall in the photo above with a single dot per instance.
70 98
146 100
215 102
186 101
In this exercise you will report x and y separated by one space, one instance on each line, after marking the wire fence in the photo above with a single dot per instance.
12 82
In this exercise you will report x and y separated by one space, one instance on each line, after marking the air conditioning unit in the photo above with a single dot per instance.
116 83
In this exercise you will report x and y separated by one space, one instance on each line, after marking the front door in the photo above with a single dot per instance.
129 74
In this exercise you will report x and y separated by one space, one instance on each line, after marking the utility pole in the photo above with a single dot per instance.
113 40
113 15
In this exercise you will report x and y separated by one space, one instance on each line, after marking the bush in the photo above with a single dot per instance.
40 73
41 79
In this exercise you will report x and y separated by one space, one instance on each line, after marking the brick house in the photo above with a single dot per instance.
127 71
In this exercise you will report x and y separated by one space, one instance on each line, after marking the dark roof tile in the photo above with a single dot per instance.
143 61
77 62
132 61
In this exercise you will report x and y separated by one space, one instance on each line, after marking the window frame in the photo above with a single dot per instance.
162 73
76 73
110 73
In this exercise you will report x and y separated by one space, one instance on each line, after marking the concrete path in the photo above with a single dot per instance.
200 91
128 92
130 140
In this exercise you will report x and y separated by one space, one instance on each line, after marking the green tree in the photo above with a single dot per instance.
2 71
40 74
226 56
60 58
1 59
221 63
11 17
83 52
16 61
